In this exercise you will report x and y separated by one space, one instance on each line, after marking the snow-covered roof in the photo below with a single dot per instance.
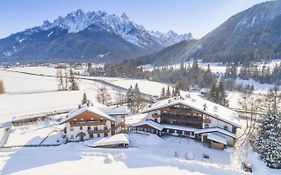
115 110
215 129
216 138
97 108
150 123
198 103
86 108
110 140
176 127
160 127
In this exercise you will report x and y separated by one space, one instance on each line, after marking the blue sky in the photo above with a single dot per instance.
182 16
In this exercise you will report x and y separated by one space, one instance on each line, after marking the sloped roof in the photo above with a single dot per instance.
212 109
97 108
149 123
215 129
160 127
110 140
217 138
115 110
82 109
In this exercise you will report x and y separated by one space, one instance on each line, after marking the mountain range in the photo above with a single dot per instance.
92 36
251 35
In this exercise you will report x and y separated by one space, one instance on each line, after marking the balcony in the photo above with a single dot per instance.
99 131
87 123
182 120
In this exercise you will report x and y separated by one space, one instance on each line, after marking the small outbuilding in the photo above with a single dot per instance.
115 141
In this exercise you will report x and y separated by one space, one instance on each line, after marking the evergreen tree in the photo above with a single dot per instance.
214 96
208 77
268 141
177 91
163 93
130 97
138 101
73 83
222 96
168 92
84 100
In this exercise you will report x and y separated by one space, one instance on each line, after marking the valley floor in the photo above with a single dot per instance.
27 94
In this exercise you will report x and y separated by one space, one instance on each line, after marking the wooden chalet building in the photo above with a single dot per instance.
94 121
192 117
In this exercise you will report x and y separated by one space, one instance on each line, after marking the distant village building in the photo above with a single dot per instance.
192 117
94 121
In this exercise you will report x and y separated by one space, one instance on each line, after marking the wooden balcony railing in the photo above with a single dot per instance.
87 123
98 131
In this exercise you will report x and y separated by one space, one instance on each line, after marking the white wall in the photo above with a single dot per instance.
217 123
77 130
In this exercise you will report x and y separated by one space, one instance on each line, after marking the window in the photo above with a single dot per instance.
105 134
91 135
98 134
96 128
81 127
225 127
71 137
206 125
105 127
89 127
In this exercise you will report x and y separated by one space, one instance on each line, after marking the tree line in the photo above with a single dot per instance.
185 77
264 74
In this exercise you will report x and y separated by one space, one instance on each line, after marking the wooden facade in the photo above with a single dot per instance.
93 123
182 116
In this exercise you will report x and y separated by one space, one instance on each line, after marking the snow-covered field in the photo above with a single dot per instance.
40 133
144 158
28 94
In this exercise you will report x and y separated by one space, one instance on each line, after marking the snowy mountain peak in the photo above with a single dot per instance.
124 16
78 21
170 38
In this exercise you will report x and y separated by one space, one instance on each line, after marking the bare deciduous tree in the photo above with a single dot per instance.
2 90
103 96
120 98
